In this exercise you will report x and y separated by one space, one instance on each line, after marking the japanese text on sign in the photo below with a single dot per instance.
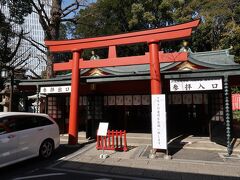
55 89
196 85
159 128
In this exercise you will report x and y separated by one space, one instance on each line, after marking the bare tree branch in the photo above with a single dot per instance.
36 44
71 8
44 12
69 12
39 62
31 39
5 39
26 68
22 61
23 66
42 19
16 58
69 20
18 45
42 57
39 77
75 21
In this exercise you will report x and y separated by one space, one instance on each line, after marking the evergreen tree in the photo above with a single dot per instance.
17 11
219 28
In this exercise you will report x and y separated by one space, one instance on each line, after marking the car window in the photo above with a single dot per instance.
26 122
42 121
7 125
3 129
19 123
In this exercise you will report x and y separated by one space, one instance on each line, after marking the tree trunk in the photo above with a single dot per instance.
49 69
53 29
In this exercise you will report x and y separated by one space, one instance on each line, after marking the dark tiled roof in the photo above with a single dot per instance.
220 59
214 59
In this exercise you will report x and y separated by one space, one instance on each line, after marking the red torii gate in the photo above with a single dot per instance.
154 57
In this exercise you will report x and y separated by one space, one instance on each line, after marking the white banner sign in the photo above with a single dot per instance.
55 89
196 85
159 127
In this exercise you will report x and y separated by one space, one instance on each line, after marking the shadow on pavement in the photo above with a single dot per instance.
118 172
37 163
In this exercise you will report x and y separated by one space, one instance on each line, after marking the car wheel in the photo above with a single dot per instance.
46 149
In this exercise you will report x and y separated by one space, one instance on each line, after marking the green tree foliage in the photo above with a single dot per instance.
219 29
5 37
104 17
220 24
107 17
152 13
17 11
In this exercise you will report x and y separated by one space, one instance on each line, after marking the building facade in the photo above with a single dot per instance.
122 97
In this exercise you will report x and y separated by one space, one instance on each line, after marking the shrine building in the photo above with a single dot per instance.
118 90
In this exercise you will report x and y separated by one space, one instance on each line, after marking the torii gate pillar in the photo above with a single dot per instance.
73 116
156 87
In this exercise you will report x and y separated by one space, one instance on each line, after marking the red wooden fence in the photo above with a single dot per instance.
235 102
115 140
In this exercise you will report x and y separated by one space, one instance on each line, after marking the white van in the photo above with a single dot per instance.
26 135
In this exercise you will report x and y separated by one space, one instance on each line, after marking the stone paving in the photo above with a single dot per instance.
133 163
204 160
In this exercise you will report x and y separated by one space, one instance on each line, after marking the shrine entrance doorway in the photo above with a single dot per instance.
188 114
197 115
133 119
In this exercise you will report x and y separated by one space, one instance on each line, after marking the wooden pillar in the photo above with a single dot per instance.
74 98
112 52
156 87
155 77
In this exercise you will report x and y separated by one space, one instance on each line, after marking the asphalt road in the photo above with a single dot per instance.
38 169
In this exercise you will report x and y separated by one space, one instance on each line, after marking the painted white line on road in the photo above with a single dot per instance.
101 174
38 176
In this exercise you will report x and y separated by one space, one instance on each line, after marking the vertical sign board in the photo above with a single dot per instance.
159 127
102 129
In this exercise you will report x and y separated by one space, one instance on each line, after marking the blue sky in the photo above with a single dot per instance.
68 2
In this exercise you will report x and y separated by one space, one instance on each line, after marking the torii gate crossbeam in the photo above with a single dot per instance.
153 58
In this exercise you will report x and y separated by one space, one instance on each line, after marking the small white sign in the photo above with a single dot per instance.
145 99
102 129
159 127
111 100
196 85
119 100
136 100
128 100
187 98
55 89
